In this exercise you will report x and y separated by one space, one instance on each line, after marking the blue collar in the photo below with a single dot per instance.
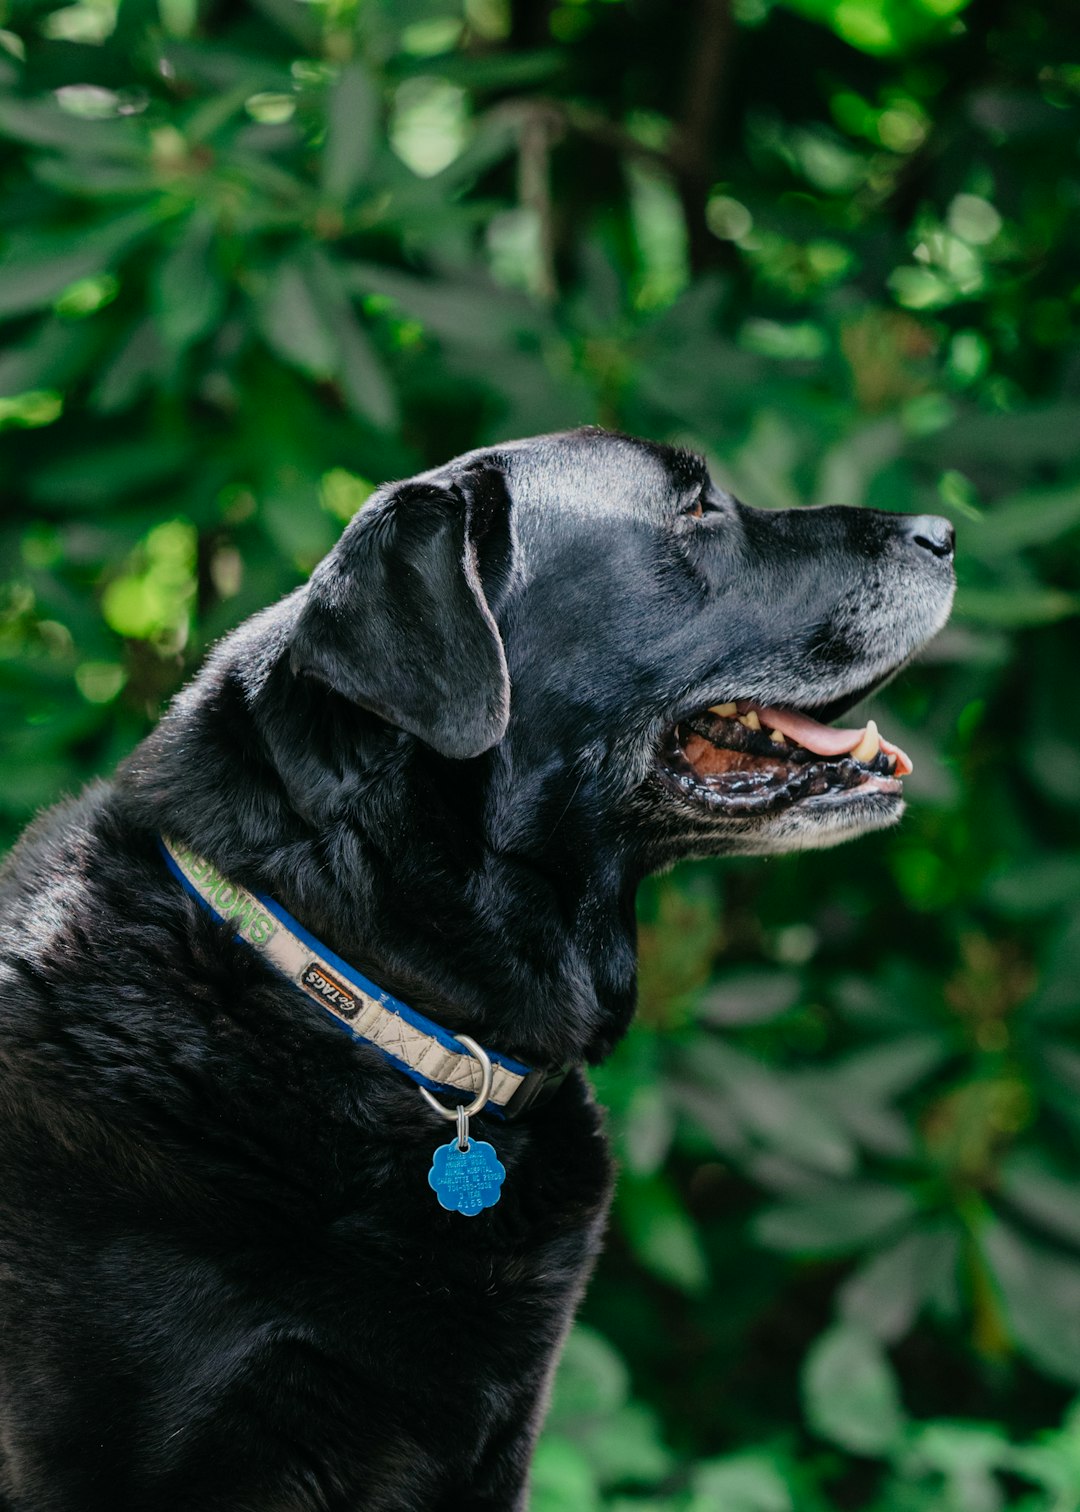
411 1043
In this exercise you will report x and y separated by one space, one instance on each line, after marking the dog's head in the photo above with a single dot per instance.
619 639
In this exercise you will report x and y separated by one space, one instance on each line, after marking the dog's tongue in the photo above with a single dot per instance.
823 740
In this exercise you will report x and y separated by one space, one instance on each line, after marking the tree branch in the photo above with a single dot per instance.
693 148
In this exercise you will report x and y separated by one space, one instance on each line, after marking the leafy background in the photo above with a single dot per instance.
257 256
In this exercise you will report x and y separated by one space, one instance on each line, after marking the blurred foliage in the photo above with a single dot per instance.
257 256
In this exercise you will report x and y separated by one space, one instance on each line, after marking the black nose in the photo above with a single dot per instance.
931 533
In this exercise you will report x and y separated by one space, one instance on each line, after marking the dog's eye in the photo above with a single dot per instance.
702 505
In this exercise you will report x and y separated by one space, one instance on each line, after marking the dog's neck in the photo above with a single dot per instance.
387 858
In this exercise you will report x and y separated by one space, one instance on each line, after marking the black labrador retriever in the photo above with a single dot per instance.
246 1264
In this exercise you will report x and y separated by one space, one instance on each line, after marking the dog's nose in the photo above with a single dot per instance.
930 533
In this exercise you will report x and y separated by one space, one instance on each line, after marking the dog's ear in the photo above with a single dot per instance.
397 620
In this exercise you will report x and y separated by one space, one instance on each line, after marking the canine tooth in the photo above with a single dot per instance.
751 720
776 736
724 710
869 745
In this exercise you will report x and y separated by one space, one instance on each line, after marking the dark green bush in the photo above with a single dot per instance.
258 257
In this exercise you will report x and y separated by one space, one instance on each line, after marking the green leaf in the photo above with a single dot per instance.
850 1392
308 319
210 117
846 468
189 294
647 1129
359 370
773 1107
562 1478
213 67
1058 991
141 361
1034 885
661 1233
102 474
1041 1193
1016 608
625 1446
363 378
835 1221
591 1379
1062 1063
1037 518
880 27
859 1088
43 124
472 312
98 180
1033 436
32 284
1053 759
294 324
37 269
881 1072
297 22
496 70
750 997
1041 1293
299 532
739 1483
351 125
965 1455
57 352
494 137
885 1294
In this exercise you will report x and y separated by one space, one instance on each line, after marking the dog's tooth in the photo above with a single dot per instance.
776 737
869 745
751 720
724 710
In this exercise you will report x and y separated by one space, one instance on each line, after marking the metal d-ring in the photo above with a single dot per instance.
461 1114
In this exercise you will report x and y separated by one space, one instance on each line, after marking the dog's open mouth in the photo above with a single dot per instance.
745 758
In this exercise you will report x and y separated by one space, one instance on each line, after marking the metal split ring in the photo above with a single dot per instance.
462 1113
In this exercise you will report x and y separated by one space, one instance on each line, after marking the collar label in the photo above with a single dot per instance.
319 981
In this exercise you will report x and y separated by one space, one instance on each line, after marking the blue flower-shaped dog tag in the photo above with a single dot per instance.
466 1180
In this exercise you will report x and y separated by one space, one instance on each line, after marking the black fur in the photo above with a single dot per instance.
226 1282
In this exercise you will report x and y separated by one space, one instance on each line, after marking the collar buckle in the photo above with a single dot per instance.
536 1089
